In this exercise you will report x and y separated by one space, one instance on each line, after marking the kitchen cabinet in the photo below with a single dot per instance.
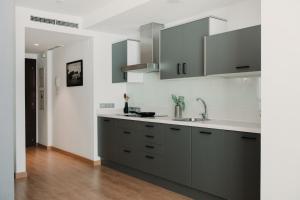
223 164
125 53
226 163
182 48
177 154
106 138
128 143
233 52
119 58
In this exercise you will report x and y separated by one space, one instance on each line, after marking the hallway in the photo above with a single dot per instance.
54 176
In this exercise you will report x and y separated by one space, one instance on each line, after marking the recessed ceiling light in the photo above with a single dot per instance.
36 44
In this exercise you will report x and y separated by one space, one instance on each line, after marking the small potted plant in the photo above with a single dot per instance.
179 105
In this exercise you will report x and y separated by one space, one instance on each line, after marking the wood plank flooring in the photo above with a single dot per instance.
54 176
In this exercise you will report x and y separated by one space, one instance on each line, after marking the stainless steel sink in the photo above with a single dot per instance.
191 119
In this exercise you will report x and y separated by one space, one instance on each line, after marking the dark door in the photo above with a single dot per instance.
30 101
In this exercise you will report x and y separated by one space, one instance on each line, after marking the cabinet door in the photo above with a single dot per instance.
171 52
106 138
234 52
193 47
177 154
226 164
119 59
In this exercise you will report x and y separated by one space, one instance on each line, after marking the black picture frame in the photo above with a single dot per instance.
74 73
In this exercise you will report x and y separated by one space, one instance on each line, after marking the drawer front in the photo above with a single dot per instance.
127 156
151 163
152 133
127 124
128 137
153 148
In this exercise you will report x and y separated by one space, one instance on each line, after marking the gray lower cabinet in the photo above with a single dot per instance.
226 163
182 50
119 59
106 138
177 154
233 52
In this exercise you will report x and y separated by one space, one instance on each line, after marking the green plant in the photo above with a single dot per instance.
179 101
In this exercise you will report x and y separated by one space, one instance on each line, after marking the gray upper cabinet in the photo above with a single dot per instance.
193 51
125 53
233 52
119 59
182 48
226 163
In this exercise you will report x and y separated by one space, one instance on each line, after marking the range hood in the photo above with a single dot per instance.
149 45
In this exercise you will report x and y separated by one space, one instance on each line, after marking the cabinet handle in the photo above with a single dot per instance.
125 76
149 136
206 132
126 151
184 68
149 126
178 68
149 147
127 132
149 157
248 138
242 67
175 129
106 120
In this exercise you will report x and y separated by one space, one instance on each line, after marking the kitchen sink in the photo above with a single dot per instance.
191 119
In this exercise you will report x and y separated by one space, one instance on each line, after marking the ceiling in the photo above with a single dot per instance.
68 7
160 11
47 40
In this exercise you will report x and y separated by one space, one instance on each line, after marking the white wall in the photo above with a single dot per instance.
104 90
73 106
280 100
23 21
232 99
7 99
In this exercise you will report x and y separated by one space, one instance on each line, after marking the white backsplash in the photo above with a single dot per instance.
235 99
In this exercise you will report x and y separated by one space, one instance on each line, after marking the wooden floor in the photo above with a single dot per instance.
54 176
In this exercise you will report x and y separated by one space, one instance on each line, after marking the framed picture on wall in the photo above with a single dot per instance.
75 73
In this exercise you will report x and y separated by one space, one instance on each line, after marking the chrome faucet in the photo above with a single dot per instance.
204 115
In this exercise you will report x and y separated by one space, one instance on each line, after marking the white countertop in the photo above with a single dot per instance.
214 124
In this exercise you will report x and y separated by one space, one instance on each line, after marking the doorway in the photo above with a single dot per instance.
30 102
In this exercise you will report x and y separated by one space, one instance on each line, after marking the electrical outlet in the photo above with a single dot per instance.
107 105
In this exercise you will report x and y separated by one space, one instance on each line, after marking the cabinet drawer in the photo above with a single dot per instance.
128 137
153 148
127 124
151 163
127 156
152 133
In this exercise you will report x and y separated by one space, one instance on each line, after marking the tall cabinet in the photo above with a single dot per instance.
182 48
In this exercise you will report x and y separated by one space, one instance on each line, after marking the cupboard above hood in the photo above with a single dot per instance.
149 45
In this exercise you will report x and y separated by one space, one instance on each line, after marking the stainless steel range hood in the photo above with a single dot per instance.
149 36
